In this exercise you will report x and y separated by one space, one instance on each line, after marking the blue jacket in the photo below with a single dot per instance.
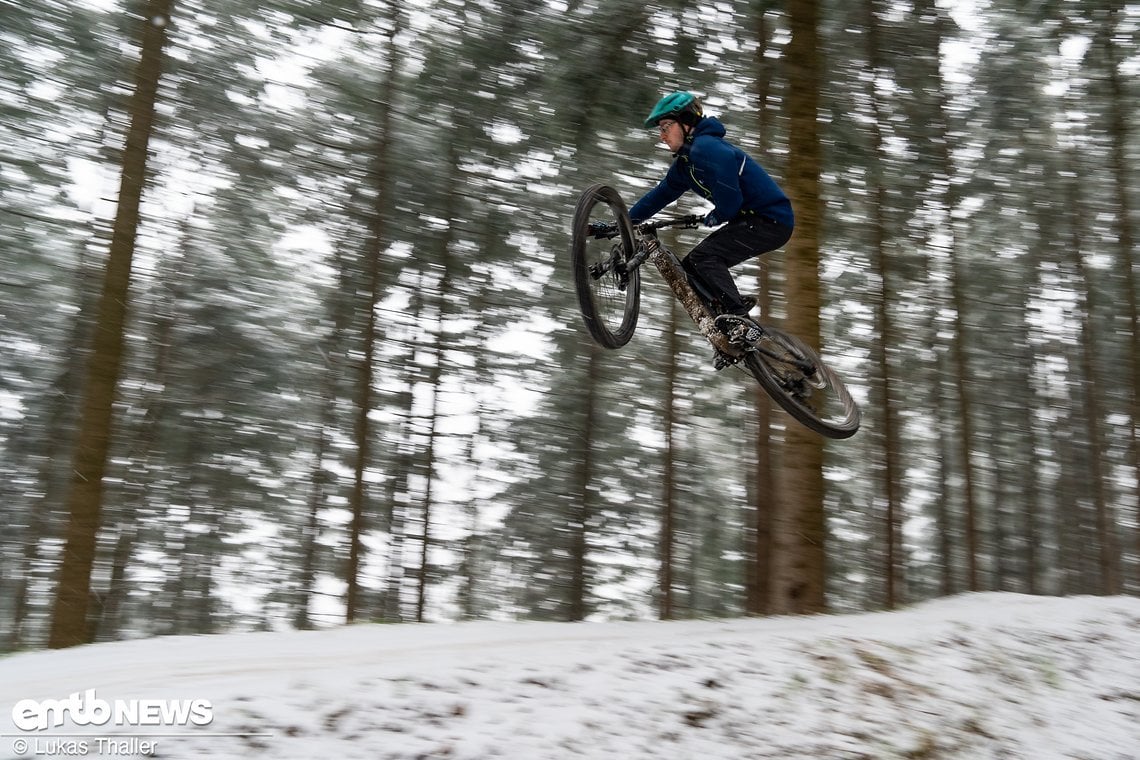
719 172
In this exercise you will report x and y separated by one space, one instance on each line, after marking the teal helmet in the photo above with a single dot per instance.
682 106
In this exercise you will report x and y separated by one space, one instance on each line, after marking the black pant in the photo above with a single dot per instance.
732 244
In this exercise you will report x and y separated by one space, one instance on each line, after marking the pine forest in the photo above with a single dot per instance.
289 334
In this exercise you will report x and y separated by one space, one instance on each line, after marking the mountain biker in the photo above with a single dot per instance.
752 213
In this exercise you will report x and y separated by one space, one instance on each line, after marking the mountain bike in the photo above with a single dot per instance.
608 251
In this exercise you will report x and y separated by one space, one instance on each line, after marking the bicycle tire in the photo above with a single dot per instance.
609 297
821 401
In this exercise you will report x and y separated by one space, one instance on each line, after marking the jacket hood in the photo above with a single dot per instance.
709 125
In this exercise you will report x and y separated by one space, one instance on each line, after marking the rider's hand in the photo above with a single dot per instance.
602 229
711 220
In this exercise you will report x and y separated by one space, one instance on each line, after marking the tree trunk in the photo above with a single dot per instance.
108 622
306 577
763 492
799 580
761 488
381 153
334 353
1030 491
583 496
471 568
451 192
959 366
946 582
669 475
1126 254
69 618
1090 396
894 565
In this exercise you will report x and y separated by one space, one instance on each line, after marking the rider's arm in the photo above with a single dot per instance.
669 189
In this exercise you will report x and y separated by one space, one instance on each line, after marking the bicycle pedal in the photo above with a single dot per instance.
720 361
726 323
745 336
738 328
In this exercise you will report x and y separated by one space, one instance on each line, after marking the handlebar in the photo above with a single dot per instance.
605 230
688 221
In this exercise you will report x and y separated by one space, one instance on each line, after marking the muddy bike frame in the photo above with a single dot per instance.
689 293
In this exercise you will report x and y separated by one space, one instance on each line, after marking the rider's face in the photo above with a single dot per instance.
671 134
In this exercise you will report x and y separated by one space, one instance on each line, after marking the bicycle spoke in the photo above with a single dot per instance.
608 294
803 385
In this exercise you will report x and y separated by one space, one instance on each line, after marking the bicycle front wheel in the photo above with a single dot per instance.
609 294
798 380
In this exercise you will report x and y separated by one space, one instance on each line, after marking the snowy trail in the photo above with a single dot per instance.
976 676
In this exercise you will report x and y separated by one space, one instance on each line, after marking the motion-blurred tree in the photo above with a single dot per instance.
800 562
377 240
93 442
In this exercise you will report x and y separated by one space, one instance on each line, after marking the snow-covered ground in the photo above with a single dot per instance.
976 676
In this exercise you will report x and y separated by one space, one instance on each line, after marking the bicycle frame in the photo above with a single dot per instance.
650 248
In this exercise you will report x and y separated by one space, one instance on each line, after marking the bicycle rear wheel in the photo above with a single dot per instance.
798 380
609 295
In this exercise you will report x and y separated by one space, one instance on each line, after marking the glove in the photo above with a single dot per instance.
602 229
711 220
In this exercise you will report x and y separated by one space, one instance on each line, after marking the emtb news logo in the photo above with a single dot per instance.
87 709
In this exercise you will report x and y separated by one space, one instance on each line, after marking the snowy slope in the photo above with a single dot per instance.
977 676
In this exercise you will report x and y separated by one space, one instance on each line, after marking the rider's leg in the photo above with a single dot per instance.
728 246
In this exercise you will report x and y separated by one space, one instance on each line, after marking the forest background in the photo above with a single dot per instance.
289 336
